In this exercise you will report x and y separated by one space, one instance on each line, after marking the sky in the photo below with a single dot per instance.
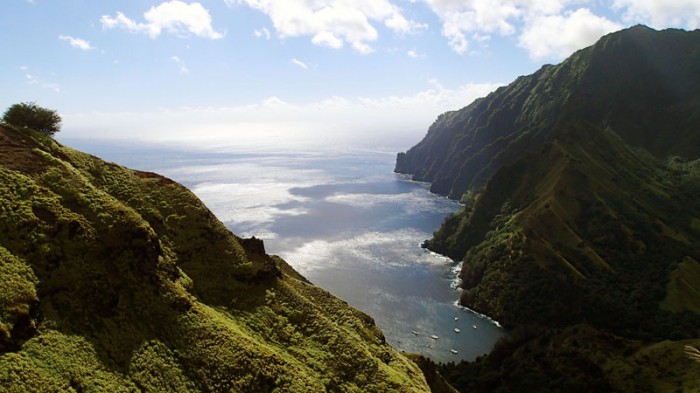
294 72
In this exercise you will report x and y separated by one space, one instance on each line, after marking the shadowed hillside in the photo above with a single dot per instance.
641 83
580 187
119 280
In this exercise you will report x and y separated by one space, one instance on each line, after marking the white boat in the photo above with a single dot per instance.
456 318
474 326
457 330
415 333
454 351
434 337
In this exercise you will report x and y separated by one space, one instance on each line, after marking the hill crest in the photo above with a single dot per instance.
580 226
121 280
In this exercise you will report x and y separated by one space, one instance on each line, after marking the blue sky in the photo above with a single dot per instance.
329 71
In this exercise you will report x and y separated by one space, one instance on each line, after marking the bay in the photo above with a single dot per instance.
347 223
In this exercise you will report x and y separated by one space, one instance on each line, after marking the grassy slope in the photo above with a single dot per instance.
578 359
118 280
580 186
563 238
566 221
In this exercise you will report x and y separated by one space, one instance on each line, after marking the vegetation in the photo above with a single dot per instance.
119 280
30 115
577 359
692 353
581 224
641 83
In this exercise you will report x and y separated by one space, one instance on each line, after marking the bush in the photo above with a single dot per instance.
30 115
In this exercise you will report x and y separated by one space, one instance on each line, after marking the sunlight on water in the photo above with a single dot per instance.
349 225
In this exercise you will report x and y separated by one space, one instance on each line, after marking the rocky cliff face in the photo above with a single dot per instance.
580 187
642 84
119 280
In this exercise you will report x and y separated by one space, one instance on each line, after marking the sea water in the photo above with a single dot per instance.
347 223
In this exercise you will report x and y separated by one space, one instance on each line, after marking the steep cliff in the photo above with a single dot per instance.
580 187
119 280
641 83
584 230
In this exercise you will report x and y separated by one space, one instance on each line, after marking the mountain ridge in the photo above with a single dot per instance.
580 217
119 280
518 118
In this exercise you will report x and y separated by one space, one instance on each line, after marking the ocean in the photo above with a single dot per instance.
343 220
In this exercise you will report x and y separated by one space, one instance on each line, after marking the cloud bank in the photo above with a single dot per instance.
78 43
546 29
374 121
558 36
334 23
175 17
661 14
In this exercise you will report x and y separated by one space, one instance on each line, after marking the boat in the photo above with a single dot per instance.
474 326
457 330
434 337
415 333
456 318
454 351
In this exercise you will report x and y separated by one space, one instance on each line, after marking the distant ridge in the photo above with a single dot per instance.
640 83
581 224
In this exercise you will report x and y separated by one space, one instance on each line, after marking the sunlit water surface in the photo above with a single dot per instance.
348 224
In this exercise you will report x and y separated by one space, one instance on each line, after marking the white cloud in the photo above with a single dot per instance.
335 122
400 24
36 81
412 54
558 36
175 17
547 7
460 18
181 64
300 64
76 42
549 29
264 32
362 48
334 23
661 14
437 99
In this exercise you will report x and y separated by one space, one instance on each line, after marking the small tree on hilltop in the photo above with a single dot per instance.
30 115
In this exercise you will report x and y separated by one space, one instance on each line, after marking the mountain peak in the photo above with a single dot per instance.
581 215
642 83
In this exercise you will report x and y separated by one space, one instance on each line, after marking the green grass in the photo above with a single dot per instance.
578 358
683 291
118 280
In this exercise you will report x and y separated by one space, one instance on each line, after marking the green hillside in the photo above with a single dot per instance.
563 239
641 83
581 217
119 280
